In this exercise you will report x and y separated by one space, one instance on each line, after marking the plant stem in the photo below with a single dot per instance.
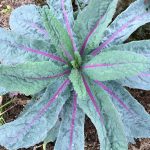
6 104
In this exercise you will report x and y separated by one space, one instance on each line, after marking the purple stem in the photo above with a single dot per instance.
119 100
39 52
112 94
145 74
97 65
73 119
68 25
43 109
115 34
68 55
92 99
89 35
106 65
54 76
41 30
49 55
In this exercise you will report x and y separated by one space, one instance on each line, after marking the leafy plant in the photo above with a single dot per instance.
74 67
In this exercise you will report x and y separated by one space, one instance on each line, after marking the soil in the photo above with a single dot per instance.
91 139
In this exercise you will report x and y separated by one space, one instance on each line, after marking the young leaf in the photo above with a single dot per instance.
26 21
25 131
95 24
73 126
68 26
115 65
110 132
137 123
56 6
58 34
142 80
76 79
95 35
29 78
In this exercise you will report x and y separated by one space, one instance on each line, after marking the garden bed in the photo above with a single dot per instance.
91 139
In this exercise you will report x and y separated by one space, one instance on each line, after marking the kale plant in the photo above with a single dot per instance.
74 66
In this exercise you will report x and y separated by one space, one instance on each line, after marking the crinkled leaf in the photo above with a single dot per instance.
115 65
16 48
109 127
77 82
38 120
64 140
142 80
83 25
137 120
58 34
56 6
52 134
94 20
26 21
2 91
141 47
101 25
29 78
127 22
30 104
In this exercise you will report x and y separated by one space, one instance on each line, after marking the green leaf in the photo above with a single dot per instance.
65 138
76 79
109 127
52 134
90 21
29 22
29 78
127 22
16 48
99 29
141 47
137 120
31 103
142 80
114 65
38 120
56 6
2 91
57 32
